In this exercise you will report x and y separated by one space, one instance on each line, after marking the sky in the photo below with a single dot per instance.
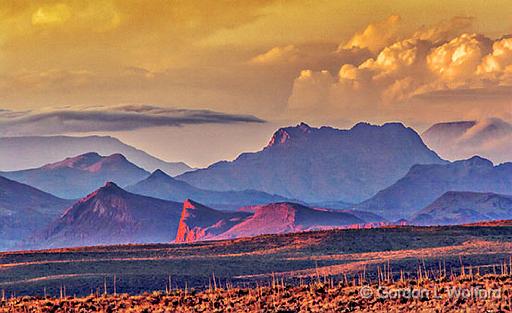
200 81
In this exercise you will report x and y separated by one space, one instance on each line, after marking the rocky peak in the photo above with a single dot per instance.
284 135
80 162
108 189
190 204
476 161
159 174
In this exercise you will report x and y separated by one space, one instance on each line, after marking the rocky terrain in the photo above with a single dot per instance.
199 222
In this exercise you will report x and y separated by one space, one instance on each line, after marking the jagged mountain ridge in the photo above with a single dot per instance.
321 164
199 222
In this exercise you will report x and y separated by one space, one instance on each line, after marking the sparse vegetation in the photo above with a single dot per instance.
327 294
320 270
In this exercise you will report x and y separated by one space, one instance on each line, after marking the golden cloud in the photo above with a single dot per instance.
375 36
277 54
52 14
425 62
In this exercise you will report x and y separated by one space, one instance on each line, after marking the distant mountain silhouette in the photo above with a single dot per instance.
199 222
161 185
111 215
321 164
458 207
489 138
24 210
19 153
78 176
425 183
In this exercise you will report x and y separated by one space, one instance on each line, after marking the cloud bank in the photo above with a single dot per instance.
442 65
490 138
119 118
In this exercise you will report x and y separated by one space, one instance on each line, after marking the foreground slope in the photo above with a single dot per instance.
161 185
24 210
111 215
351 252
322 164
199 222
17 153
78 176
441 293
425 183
465 207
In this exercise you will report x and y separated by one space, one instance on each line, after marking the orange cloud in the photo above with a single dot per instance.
375 36
277 54
427 61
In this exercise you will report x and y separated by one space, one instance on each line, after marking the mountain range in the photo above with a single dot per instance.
489 138
455 207
18 153
292 185
321 164
160 185
111 215
199 222
425 183
25 210
78 176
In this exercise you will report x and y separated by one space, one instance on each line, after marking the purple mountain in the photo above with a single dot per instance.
18 153
425 183
78 176
24 210
111 215
459 207
322 164
161 185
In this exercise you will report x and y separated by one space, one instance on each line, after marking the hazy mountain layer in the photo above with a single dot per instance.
19 153
425 183
458 207
78 176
